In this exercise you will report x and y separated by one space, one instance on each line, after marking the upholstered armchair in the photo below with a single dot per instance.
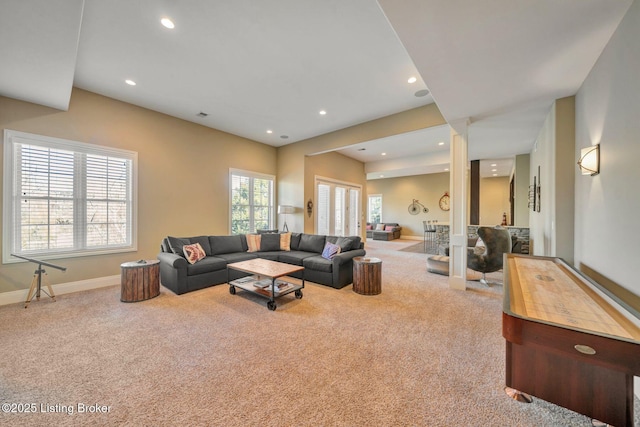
497 242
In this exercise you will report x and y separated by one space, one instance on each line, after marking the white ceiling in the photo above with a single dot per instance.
274 64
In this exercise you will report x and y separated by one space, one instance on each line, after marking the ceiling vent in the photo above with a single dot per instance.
201 114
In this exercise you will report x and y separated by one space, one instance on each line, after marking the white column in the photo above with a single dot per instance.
458 186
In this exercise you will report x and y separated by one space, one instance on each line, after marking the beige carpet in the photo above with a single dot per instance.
419 354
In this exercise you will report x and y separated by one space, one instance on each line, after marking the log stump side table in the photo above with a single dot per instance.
367 275
140 280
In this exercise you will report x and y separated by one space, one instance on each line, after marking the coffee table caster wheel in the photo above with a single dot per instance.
299 294
232 290
271 305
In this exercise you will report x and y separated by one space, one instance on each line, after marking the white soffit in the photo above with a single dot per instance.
38 47
480 57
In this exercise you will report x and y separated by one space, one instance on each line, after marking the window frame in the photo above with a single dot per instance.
272 208
369 213
14 138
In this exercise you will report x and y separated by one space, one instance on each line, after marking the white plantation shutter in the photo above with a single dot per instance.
354 212
66 198
324 209
339 218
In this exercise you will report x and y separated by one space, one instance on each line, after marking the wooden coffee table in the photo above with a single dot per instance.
265 279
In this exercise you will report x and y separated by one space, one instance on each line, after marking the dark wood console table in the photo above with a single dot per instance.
567 341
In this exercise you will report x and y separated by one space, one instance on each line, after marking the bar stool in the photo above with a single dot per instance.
429 234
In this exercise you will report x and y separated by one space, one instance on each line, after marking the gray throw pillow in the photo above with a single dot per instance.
345 243
176 244
269 242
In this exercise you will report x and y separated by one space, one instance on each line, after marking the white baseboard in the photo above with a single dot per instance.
62 288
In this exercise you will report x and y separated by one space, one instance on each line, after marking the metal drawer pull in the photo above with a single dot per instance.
584 349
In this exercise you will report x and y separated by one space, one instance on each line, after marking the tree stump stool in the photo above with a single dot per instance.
367 275
140 280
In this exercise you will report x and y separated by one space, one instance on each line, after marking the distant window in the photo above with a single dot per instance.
375 208
66 198
252 202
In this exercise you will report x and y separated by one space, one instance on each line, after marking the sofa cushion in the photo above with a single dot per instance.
193 253
312 243
318 263
237 256
226 244
347 243
389 227
379 227
176 244
206 265
269 242
271 256
295 257
295 241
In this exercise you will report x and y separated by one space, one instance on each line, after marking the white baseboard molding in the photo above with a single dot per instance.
61 289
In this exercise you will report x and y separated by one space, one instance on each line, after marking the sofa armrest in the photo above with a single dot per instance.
344 257
174 260
173 272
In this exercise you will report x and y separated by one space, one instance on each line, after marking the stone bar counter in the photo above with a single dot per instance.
522 233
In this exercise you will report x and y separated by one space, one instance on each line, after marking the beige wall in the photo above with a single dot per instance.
552 228
494 200
182 173
521 202
398 193
335 166
292 180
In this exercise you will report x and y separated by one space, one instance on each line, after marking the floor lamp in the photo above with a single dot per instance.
285 210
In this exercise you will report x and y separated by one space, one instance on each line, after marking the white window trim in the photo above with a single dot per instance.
251 174
11 137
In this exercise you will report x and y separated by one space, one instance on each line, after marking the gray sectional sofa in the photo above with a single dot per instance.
178 275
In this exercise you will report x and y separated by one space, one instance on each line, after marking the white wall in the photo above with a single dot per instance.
607 205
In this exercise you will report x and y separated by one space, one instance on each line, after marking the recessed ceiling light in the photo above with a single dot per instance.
383 154
381 176
269 131
168 23
323 112
495 174
446 169
494 170
440 143
412 80
130 82
422 92
493 165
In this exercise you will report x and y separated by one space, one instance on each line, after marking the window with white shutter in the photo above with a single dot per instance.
65 198
252 202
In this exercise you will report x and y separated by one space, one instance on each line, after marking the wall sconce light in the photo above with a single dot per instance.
590 160
285 210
